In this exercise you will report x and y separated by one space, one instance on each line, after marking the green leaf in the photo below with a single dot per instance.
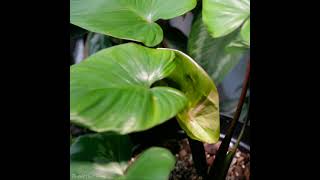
106 157
127 19
224 16
245 32
200 120
242 41
111 90
155 163
98 156
237 45
212 53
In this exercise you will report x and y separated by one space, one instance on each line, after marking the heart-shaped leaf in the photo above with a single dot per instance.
127 19
111 90
224 16
115 90
106 157
212 53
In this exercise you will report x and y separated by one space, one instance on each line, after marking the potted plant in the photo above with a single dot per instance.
136 81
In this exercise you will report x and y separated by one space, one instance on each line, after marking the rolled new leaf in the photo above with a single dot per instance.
115 90
200 119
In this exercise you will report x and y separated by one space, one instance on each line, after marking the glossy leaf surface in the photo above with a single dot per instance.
127 19
245 32
115 90
224 16
111 90
106 157
200 119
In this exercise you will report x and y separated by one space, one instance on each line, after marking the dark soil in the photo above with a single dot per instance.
185 170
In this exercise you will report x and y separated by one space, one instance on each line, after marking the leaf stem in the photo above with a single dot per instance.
223 149
199 157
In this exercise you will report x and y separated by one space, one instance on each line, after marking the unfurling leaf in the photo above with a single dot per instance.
113 91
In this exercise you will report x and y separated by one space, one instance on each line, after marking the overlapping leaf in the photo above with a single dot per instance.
245 32
106 157
114 90
111 90
213 54
224 16
200 119
127 19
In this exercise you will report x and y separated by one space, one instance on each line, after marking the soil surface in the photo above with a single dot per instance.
185 170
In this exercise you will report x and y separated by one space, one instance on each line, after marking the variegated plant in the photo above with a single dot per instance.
130 88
